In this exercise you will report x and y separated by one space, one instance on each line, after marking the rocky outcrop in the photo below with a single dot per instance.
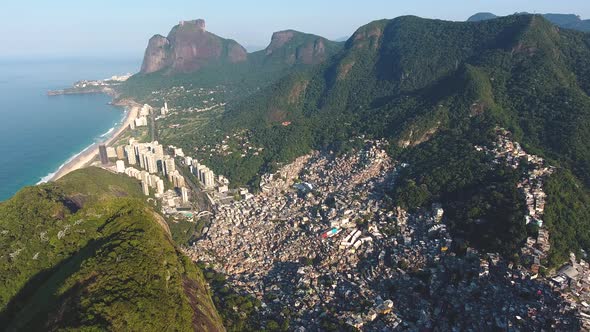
278 40
189 47
293 47
156 55
312 53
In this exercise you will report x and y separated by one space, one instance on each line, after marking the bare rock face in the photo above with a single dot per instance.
293 47
156 54
236 52
367 37
312 53
278 40
188 48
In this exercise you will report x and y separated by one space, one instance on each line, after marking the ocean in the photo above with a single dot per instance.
39 133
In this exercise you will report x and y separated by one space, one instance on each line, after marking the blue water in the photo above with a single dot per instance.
39 133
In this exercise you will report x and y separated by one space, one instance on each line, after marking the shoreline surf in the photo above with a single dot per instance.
49 176
88 154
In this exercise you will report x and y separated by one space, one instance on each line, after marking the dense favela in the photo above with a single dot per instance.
420 174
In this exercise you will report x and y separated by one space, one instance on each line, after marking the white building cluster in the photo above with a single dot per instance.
146 162
147 180
142 119
206 176
151 157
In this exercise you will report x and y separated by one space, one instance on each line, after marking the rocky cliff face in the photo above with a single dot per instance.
189 47
278 40
156 55
293 47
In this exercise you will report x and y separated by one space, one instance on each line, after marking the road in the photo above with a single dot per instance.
200 196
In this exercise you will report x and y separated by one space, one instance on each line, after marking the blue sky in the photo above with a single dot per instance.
121 28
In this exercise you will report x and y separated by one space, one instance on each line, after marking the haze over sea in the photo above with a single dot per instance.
39 133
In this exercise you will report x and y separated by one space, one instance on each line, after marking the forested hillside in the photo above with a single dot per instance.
87 253
287 52
567 21
434 89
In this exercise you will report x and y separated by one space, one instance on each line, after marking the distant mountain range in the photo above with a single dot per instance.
190 47
568 21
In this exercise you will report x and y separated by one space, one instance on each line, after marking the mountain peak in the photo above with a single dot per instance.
188 48
567 21
279 39
295 47
198 23
481 17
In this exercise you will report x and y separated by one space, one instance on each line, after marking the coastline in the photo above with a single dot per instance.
86 156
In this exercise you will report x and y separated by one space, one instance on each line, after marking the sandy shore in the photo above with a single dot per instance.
88 155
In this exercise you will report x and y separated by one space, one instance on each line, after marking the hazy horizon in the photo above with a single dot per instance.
65 28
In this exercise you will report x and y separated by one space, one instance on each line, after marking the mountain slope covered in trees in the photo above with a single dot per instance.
567 21
434 89
87 253
191 55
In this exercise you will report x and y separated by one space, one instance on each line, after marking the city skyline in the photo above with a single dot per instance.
118 29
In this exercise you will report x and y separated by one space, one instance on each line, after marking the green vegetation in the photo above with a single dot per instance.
566 215
87 253
239 312
482 204
567 21
184 232
433 89
239 79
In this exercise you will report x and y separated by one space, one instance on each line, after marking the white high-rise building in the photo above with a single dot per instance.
169 165
120 152
164 110
120 166
201 169
158 149
133 173
141 152
177 179
209 179
178 152
151 163
160 187
131 157
184 194
145 110
145 187
154 180
141 121
111 152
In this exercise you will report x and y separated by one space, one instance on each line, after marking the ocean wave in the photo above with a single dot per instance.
108 132
49 176
98 140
